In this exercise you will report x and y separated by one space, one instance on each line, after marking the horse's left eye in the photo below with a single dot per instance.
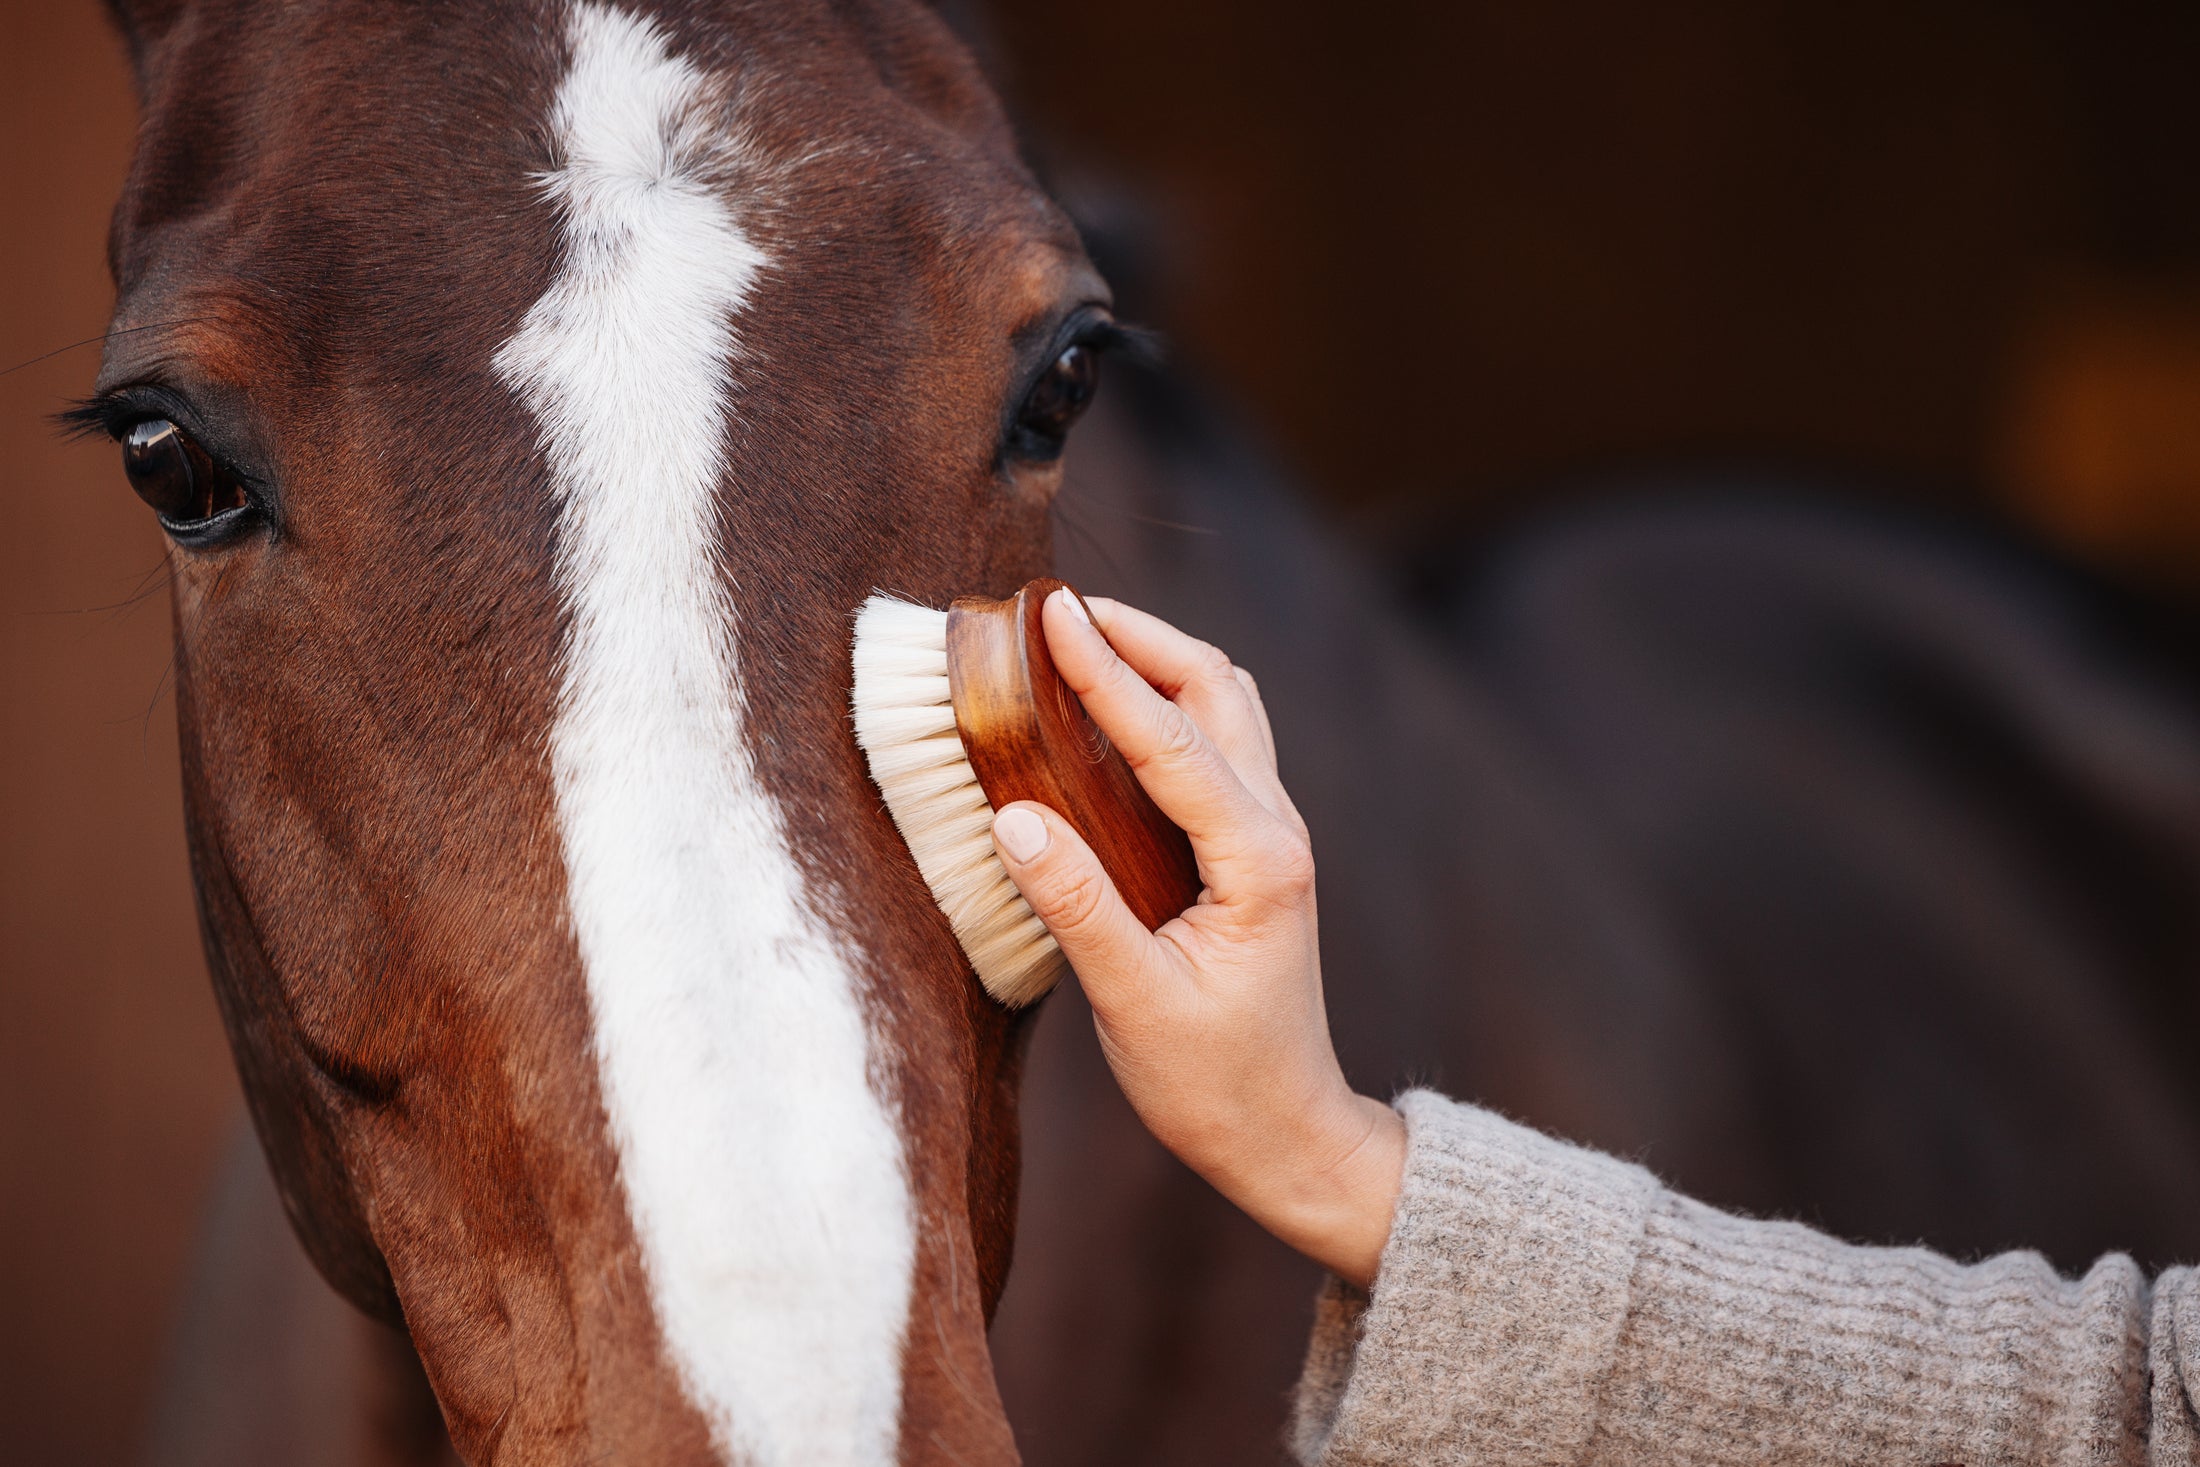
179 479
1056 401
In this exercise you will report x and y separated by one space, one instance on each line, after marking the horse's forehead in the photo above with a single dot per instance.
394 154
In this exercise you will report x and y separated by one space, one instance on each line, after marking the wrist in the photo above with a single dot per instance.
1336 1202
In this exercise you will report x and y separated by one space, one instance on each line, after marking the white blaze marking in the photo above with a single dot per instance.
764 1173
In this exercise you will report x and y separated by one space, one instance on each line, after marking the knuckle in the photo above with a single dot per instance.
1075 898
1210 664
1175 736
1291 865
1179 735
1103 673
1248 682
1116 673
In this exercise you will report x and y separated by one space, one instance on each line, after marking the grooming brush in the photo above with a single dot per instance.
961 712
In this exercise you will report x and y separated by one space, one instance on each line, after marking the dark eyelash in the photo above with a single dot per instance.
107 415
1138 343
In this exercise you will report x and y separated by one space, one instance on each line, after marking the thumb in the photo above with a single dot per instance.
1074 895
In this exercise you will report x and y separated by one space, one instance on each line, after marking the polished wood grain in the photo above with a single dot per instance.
1029 738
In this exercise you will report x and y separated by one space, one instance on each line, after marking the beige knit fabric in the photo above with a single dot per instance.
1542 1304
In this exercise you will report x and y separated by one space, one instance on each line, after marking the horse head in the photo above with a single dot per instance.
530 392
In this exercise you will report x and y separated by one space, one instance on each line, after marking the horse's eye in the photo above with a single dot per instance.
179 479
1057 399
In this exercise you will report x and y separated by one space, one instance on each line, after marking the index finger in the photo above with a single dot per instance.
1201 679
1175 761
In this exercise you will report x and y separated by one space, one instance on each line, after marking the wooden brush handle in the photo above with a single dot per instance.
1029 738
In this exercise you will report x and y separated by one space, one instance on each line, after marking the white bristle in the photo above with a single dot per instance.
905 721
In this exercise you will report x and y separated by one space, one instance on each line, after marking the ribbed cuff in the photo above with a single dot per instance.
1751 1341
1497 1311
2173 1362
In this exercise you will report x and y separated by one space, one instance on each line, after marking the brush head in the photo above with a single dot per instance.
960 712
905 721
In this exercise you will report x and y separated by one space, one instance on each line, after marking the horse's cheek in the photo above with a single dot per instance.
290 1111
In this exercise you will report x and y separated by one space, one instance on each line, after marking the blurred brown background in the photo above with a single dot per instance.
114 1080
1457 257
1454 260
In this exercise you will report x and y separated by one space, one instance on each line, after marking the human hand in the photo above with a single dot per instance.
1214 1024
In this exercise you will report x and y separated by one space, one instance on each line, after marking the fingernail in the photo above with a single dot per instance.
1020 833
1072 605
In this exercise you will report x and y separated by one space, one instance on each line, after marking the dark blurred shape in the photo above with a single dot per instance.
1924 814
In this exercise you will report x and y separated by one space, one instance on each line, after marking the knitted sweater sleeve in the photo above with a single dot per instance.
1542 1304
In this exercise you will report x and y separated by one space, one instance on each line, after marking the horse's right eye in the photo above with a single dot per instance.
179 479
1055 402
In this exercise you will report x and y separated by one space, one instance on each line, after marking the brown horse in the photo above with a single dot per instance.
530 393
